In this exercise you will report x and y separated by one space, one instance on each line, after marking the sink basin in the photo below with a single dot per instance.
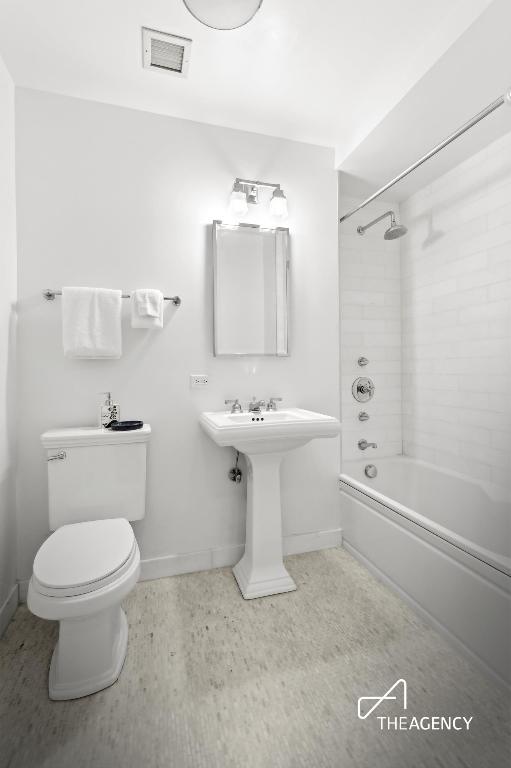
265 438
268 431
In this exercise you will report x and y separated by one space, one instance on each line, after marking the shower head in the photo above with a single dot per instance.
392 233
395 231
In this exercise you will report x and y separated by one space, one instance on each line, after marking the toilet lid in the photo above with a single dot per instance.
82 553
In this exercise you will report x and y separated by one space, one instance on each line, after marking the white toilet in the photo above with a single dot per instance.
82 572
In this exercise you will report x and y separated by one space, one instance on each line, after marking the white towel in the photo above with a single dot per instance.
147 308
91 322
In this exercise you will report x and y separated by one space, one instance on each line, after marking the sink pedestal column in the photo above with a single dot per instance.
261 570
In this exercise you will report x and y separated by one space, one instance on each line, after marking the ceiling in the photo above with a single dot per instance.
319 71
472 73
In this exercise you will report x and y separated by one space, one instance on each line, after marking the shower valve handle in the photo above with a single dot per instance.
363 389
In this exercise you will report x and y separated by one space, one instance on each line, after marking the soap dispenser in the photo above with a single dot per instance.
108 411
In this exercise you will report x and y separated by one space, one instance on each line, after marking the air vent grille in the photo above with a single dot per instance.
167 55
166 52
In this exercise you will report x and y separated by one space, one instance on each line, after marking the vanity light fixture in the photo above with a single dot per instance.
238 205
223 14
278 204
246 191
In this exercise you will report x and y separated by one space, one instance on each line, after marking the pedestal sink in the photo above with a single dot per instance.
265 438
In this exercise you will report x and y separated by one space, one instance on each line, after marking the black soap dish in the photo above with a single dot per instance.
125 426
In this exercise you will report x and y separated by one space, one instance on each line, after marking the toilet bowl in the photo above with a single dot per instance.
81 574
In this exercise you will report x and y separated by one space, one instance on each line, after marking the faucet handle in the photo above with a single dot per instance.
236 407
272 403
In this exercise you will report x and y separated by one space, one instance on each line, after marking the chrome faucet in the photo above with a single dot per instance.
272 403
363 445
255 405
235 406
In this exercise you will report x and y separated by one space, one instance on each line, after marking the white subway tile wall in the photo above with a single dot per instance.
456 318
370 327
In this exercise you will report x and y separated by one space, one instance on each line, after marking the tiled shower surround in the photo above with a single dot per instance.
432 311
370 326
456 318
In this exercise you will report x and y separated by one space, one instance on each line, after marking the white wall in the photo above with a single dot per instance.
456 270
370 327
8 589
113 197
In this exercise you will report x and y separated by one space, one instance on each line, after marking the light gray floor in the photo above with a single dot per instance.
213 681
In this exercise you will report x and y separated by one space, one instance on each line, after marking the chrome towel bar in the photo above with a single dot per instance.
49 295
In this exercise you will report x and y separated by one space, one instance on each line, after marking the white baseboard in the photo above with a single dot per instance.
8 608
23 590
311 542
425 615
206 559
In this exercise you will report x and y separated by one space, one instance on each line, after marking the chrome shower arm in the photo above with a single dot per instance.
361 229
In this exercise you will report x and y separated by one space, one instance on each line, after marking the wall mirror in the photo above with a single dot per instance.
250 290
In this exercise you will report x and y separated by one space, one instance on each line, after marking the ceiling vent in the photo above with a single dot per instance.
168 53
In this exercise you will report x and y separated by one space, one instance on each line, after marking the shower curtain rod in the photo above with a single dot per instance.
505 98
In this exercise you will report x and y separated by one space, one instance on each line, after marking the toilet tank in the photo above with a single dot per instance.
94 473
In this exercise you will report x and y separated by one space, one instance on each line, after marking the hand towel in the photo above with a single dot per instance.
91 322
147 308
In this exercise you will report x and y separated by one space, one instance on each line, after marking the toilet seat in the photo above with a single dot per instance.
84 557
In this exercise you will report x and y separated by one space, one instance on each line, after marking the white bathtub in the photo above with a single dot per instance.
443 541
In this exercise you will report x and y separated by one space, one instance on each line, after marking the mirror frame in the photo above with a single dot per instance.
217 223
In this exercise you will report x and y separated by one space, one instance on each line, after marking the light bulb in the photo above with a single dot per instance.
238 205
278 204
